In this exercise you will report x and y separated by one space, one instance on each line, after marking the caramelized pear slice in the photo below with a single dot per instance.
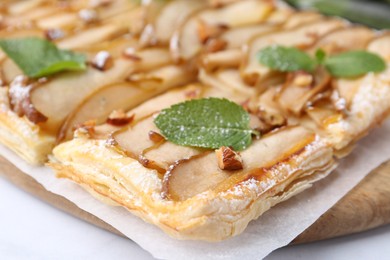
163 78
352 38
172 16
100 104
134 139
201 173
58 21
92 36
381 46
226 80
61 95
236 37
167 154
222 59
302 36
166 100
294 97
323 115
123 95
185 44
347 88
20 7
301 18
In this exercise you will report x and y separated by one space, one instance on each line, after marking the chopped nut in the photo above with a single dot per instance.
228 159
54 34
19 93
119 118
86 128
214 45
155 137
102 61
130 53
303 79
88 15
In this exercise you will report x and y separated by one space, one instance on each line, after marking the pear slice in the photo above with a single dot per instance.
185 44
381 46
201 173
343 39
100 104
123 96
236 37
134 139
293 97
301 18
58 21
166 100
168 154
302 36
222 59
24 6
323 116
172 16
226 80
38 13
92 36
163 78
61 95
347 88
58 97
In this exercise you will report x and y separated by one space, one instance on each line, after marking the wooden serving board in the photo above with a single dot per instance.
365 207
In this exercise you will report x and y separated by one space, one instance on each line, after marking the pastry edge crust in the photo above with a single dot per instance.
22 136
207 216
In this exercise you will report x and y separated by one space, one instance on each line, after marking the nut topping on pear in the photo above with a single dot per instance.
228 159
20 100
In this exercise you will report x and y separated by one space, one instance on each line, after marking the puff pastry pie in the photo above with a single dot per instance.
201 49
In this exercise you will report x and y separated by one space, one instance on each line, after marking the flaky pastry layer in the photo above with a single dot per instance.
211 215
22 136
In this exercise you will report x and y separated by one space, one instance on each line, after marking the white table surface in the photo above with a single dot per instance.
32 229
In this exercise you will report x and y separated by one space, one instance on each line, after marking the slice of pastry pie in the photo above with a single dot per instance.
306 119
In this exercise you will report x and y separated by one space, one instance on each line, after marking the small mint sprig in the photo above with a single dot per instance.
37 57
347 64
206 123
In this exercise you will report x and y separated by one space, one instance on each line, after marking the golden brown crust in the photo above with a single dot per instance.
210 215
22 136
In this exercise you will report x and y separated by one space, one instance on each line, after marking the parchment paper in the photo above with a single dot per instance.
276 228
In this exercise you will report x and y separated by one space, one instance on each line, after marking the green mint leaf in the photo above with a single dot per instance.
38 57
354 63
320 56
208 123
286 59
